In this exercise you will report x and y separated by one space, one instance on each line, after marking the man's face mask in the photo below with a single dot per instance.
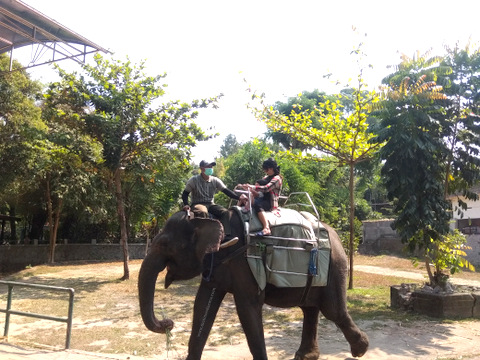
208 171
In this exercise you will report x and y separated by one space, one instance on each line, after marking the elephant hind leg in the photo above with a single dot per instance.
308 349
357 339
360 346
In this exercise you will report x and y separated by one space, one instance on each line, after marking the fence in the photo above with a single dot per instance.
8 311
17 257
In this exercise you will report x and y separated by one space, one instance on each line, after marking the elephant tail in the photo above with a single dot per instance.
152 265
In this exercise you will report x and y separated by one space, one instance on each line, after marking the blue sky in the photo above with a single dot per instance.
280 47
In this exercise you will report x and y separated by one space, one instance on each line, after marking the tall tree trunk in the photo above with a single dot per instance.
122 222
352 228
53 216
51 242
52 230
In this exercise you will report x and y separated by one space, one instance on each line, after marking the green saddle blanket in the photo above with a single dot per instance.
296 254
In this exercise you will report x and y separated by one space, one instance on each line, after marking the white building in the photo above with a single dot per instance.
468 220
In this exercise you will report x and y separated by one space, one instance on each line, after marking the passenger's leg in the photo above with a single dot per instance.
263 220
260 207
224 216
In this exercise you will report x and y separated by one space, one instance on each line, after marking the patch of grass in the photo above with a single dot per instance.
391 262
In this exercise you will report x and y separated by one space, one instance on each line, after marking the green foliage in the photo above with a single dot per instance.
412 171
245 166
363 210
116 102
115 107
431 150
344 234
460 130
305 101
230 146
333 129
20 128
448 254
324 181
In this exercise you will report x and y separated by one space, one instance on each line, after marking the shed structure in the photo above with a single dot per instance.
22 25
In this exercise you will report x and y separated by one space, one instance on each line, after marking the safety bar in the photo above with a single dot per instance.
8 311
249 196
310 205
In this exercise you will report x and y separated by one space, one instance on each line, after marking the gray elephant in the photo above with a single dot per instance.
181 248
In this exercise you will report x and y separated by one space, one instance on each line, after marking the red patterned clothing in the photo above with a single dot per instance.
273 188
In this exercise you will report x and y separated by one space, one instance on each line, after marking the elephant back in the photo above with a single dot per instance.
296 254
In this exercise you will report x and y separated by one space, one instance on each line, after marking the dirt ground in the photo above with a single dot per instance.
388 340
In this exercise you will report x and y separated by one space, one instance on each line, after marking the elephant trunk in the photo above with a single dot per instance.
152 265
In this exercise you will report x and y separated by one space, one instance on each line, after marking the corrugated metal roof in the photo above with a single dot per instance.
22 25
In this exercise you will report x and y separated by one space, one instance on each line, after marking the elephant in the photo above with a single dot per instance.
182 246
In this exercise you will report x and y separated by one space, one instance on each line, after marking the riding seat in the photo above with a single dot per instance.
297 254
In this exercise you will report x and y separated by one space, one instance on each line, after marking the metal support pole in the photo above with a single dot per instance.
70 318
9 306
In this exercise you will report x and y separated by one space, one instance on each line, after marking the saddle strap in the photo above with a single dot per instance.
308 286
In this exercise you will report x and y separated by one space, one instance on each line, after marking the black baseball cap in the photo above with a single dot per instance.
204 164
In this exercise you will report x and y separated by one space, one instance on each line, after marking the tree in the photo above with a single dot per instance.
410 128
230 146
20 126
116 101
306 101
417 131
342 135
246 164
66 161
460 129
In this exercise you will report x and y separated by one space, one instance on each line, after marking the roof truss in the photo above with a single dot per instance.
21 25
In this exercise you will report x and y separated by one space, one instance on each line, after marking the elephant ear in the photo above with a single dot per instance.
208 233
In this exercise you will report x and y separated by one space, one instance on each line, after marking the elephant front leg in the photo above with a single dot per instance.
308 349
249 310
207 303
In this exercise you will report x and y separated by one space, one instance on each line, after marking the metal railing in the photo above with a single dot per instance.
8 311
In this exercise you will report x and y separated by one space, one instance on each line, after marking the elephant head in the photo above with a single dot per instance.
180 247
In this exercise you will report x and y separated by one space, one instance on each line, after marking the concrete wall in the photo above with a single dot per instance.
379 238
17 257
473 255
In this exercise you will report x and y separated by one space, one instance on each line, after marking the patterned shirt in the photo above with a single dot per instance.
273 188
203 190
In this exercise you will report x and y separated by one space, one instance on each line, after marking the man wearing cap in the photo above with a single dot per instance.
203 188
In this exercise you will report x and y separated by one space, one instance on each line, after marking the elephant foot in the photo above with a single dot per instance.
360 347
313 355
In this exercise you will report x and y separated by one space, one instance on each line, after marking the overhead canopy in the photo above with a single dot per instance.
22 25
